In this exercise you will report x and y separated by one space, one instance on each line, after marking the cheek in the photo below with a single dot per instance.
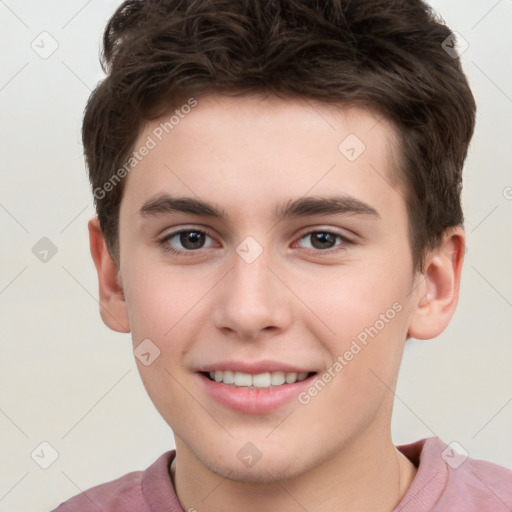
367 310
168 392
365 357
354 299
160 298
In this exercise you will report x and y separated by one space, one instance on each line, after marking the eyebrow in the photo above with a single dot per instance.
164 204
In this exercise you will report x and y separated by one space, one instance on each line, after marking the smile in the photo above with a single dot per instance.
257 381
254 391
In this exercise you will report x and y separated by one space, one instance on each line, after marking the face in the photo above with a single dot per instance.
261 242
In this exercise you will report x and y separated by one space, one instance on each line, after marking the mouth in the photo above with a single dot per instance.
256 381
254 393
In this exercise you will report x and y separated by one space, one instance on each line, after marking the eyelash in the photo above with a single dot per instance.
162 242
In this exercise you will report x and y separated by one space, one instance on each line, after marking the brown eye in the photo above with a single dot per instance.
186 241
323 240
192 239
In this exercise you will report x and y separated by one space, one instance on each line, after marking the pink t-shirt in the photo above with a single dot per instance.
444 482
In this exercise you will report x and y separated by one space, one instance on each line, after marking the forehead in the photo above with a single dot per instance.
254 148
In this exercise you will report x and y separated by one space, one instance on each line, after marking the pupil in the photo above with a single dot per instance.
323 240
192 240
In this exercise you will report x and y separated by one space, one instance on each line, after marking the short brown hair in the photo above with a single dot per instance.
381 54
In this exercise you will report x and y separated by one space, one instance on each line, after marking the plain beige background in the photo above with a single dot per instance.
66 380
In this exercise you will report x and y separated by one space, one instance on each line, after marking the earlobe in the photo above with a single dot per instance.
112 301
436 290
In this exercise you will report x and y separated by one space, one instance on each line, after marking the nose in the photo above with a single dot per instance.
251 302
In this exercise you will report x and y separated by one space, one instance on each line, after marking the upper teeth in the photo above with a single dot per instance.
261 380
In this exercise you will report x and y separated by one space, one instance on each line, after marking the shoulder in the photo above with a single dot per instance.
479 485
108 496
448 479
125 493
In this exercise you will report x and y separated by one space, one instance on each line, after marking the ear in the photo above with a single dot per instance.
112 303
437 288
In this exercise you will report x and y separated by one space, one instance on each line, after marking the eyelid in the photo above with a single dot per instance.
343 233
346 240
183 229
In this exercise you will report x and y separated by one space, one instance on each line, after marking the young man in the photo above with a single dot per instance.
278 195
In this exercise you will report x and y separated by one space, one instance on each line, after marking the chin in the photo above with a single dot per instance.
262 473
268 469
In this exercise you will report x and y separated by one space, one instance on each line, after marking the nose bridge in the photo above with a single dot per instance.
252 280
252 299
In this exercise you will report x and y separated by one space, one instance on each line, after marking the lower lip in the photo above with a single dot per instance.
253 400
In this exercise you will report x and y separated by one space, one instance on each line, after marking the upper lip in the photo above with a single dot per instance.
254 367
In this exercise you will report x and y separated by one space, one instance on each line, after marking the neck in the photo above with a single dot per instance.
364 476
